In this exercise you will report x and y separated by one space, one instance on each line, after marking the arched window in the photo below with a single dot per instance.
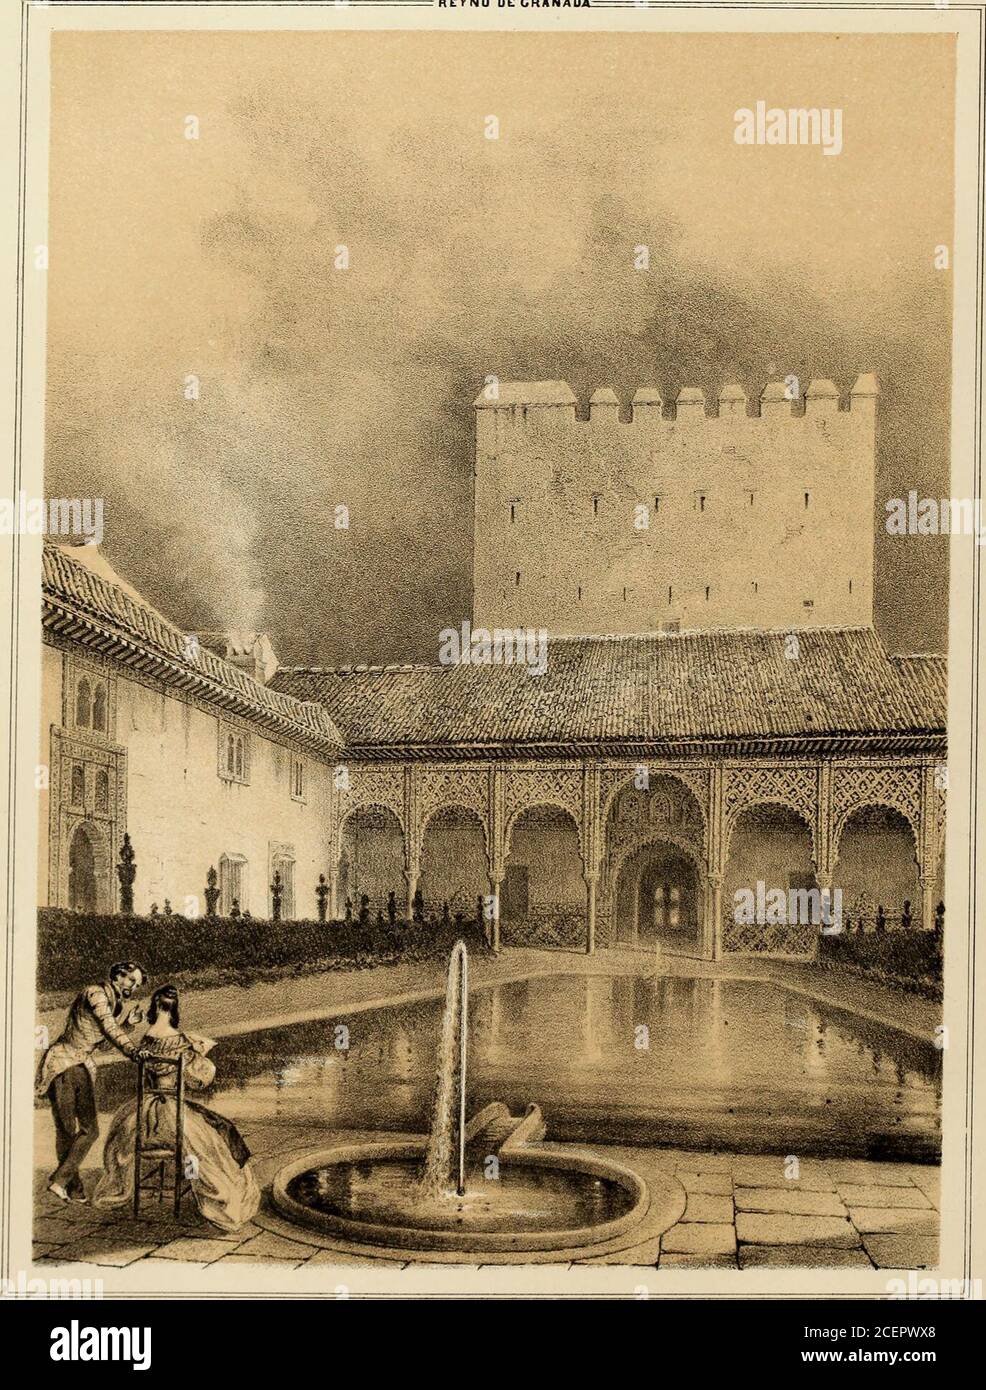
83 704
102 790
78 784
99 708
239 757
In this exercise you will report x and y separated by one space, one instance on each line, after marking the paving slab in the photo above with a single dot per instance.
675 1261
869 1195
268 1245
794 1201
902 1251
863 1172
98 1251
801 1257
699 1238
201 1250
702 1206
893 1219
717 1183
756 1228
252 1261
335 1257
928 1181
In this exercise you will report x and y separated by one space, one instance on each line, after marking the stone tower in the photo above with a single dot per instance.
674 518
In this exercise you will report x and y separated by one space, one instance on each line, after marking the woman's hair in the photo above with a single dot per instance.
164 1000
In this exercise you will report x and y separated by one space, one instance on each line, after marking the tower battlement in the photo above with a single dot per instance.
653 513
544 403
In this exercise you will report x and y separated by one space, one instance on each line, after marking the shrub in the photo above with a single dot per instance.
76 948
910 958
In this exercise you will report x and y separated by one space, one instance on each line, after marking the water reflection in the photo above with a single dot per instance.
729 1064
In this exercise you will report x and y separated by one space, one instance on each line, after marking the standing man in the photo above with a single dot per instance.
67 1075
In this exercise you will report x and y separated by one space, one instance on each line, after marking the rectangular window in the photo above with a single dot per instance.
517 579
595 506
297 779
234 754
232 884
700 501
808 603
283 864
513 511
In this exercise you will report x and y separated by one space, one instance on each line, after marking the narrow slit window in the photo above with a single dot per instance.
517 579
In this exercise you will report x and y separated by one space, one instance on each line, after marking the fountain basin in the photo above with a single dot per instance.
369 1193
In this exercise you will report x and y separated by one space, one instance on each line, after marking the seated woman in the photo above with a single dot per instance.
216 1158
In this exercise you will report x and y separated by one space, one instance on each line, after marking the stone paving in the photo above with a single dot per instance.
742 1211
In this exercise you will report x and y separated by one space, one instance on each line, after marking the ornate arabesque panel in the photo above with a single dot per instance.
372 786
612 780
667 810
795 787
897 788
440 787
548 785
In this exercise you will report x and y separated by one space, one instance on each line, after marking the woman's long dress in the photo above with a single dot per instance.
216 1158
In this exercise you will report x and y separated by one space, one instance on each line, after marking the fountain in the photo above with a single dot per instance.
486 1185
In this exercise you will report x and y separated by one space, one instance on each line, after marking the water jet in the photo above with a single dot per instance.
486 1184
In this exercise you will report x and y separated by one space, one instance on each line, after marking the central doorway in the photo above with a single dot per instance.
667 903
658 900
82 883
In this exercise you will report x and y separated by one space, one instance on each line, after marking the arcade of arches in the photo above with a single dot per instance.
640 858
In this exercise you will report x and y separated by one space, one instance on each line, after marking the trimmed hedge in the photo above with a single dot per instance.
911 959
76 948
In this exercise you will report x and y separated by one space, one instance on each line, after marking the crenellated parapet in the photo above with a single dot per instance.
518 404
650 512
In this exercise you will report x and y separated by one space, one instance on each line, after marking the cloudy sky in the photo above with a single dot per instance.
468 256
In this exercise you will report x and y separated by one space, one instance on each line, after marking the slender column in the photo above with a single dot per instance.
715 859
495 925
714 899
590 847
411 876
590 933
824 881
928 882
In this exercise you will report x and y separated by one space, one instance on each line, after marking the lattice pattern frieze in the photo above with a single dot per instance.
440 788
896 788
528 787
372 786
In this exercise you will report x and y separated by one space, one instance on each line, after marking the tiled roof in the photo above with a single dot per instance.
730 687
87 608
928 677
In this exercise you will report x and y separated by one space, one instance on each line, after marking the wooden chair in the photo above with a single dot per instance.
151 1161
